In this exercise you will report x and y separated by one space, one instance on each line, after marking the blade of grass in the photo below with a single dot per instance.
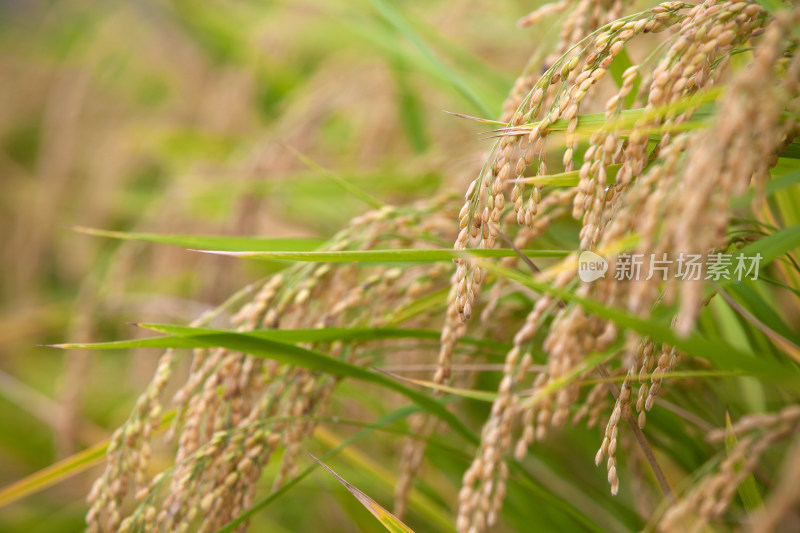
337 179
55 473
390 14
749 295
410 109
281 335
305 358
748 491
215 242
590 123
64 469
566 179
387 519
484 396
401 255
436 513
773 186
714 350
425 303
779 340
772 6
770 248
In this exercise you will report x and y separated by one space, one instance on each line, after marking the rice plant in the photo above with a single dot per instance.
601 319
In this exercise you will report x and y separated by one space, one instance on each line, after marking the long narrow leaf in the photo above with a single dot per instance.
384 256
388 11
280 335
748 491
302 357
389 521
356 191
484 396
213 242
63 470
55 473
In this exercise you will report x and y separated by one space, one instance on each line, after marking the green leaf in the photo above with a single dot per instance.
770 247
713 349
748 491
701 118
567 179
53 474
772 6
389 521
382 256
388 11
255 344
484 396
773 186
410 110
214 242
280 335
337 179
421 305
592 122
765 312
64 469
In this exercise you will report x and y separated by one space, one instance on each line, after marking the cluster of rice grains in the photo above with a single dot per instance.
633 178
711 495
653 170
234 410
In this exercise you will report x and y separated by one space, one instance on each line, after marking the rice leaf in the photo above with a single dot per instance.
247 342
420 305
428 506
281 335
617 68
383 256
410 110
770 247
348 186
484 396
389 13
389 521
215 242
63 469
566 179
748 491
55 473
773 187
772 6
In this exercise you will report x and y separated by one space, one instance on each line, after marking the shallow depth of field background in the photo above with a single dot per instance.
171 117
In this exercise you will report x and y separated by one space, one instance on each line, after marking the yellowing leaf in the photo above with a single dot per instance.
389 521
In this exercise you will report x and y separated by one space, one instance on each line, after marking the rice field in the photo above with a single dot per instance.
362 265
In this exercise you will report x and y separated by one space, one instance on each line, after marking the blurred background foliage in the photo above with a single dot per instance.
175 117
